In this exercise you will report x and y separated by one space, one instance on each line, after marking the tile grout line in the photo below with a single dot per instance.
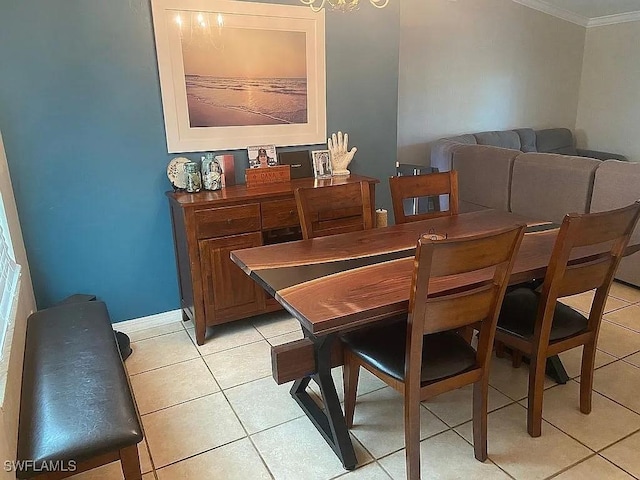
208 450
569 467
221 391
247 436
155 369
488 456
618 441
616 465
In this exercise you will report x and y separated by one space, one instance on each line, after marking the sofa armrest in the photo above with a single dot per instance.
600 155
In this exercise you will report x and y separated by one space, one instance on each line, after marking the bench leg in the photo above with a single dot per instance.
130 463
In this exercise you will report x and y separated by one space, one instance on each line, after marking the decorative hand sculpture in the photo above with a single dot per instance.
340 157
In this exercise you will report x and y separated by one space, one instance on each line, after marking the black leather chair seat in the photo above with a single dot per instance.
444 354
76 401
518 316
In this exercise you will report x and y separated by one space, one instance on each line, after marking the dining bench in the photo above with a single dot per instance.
77 411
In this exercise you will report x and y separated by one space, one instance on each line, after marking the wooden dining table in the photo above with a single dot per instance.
343 282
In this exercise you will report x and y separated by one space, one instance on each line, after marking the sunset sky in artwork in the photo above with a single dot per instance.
243 52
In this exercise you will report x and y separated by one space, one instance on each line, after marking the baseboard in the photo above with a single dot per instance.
142 323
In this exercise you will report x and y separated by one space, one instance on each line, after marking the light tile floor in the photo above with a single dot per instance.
214 412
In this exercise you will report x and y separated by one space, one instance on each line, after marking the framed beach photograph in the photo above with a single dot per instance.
234 73
262 156
321 164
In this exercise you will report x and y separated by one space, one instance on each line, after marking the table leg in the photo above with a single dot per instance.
556 370
328 420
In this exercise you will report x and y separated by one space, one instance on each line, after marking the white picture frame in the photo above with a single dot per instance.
197 45
321 164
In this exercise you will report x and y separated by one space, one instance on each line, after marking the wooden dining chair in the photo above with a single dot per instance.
418 186
334 209
535 323
422 355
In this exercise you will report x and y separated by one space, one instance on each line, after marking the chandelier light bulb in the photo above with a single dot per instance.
341 5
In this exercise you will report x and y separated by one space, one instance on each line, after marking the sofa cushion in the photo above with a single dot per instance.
582 152
467 139
503 139
527 139
616 185
555 140
548 186
484 174
441 150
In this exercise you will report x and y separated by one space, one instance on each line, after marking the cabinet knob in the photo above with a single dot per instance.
228 221
291 212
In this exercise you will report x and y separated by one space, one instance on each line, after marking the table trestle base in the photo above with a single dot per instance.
328 420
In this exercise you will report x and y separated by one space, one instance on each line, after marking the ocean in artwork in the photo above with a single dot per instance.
227 102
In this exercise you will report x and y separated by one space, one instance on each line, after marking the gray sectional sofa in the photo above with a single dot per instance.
546 186
551 140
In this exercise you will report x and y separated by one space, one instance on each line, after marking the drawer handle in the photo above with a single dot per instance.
228 221
291 212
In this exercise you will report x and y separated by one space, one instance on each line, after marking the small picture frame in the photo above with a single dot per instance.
261 156
321 164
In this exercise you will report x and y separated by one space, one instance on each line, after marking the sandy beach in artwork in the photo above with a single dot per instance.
205 115
227 102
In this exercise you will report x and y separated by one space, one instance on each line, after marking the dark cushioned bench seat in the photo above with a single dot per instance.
77 411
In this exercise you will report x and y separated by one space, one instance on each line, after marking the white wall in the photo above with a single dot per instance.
13 350
475 65
609 108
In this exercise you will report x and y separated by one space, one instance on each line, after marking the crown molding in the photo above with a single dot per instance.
555 11
544 7
613 19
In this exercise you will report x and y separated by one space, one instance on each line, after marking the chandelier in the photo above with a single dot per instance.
341 5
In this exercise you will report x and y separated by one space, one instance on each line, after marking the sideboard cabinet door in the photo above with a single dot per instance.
228 292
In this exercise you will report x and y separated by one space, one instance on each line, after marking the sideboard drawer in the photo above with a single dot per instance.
279 214
219 222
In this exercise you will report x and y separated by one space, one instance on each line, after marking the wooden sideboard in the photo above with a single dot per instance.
208 225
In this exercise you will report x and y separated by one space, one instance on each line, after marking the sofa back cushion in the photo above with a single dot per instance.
441 150
556 140
527 139
503 139
616 185
467 139
548 186
484 174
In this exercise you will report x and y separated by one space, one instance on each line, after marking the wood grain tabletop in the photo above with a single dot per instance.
345 281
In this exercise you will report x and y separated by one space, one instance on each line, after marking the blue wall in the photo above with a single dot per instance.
81 118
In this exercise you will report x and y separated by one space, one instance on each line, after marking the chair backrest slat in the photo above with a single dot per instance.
334 209
584 277
457 311
455 258
602 227
427 185
494 258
